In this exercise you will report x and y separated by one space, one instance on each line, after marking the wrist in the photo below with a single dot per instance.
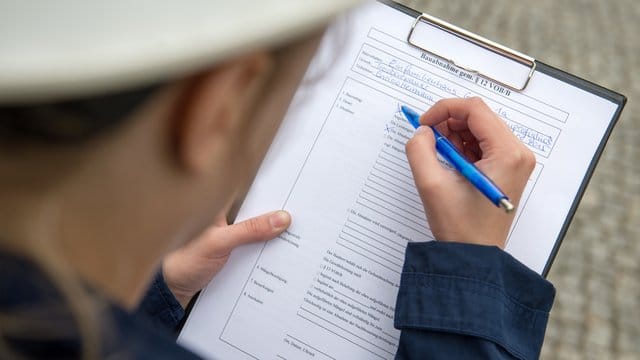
180 293
182 298
476 238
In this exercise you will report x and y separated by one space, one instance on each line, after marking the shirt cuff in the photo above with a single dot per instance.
474 290
160 305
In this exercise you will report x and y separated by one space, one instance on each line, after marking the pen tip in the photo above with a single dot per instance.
506 205
411 115
407 110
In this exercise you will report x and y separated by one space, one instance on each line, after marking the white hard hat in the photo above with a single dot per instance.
60 49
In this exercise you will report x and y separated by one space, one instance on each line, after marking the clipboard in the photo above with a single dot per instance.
337 165
533 66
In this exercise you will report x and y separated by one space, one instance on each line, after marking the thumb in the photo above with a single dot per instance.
259 228
428 173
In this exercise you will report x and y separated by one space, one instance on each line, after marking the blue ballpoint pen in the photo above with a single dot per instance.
450 153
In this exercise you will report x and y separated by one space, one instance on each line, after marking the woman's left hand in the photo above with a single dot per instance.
191 267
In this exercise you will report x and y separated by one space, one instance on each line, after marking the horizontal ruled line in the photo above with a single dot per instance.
395 257
396 220
335 333
369 251
369 258
375 232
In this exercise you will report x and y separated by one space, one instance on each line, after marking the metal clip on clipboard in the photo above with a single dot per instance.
477 40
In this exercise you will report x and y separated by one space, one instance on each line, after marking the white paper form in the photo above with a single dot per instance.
326 288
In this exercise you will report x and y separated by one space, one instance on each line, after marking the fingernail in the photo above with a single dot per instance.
279 220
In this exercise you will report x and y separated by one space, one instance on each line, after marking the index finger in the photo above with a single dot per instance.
467 114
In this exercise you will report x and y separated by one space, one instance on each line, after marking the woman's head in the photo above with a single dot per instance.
142 171
126 126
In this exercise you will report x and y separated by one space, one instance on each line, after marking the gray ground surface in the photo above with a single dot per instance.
597 272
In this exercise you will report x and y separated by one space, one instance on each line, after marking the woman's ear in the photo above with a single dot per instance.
212 106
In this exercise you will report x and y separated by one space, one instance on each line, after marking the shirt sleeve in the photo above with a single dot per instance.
463 301
160 306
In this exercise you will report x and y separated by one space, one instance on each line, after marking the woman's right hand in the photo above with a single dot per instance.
457 211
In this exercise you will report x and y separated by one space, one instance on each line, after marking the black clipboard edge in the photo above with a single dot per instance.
591 87
616 98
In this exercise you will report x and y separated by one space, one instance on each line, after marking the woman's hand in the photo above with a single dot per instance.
457 211
190 268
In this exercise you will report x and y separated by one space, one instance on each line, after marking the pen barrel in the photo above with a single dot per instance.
478 179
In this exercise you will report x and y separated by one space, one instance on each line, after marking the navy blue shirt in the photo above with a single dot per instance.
456 301
461 301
